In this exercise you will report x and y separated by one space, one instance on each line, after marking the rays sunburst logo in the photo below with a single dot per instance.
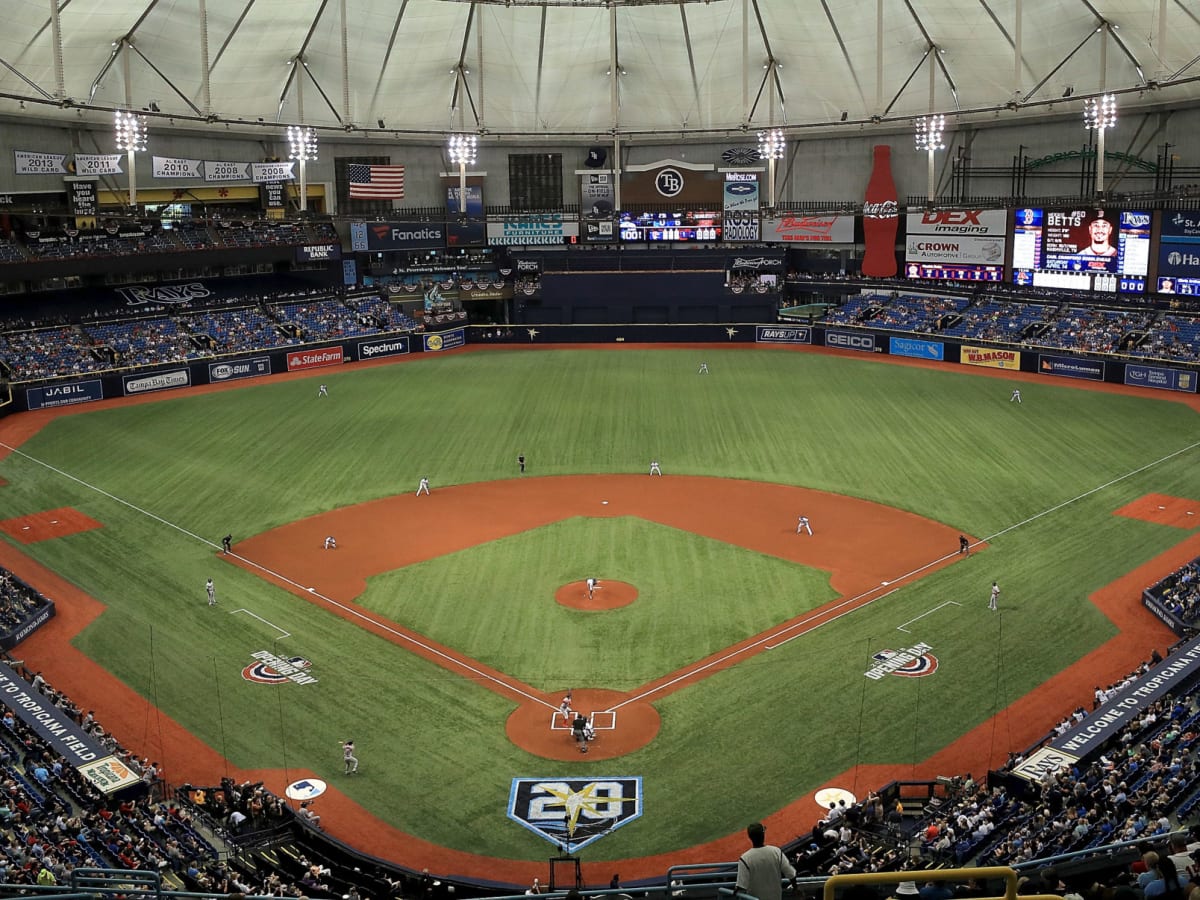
574 812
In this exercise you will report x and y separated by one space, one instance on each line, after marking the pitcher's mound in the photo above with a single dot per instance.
607 595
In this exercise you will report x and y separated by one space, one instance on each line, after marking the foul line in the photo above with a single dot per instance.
432 651
810 623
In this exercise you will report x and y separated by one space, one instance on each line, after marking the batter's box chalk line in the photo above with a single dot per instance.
602 720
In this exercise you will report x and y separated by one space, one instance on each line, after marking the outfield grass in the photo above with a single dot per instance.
946 444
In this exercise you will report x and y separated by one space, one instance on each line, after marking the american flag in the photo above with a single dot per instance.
375 182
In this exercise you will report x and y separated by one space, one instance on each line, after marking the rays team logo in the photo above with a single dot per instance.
574 812
268 668
911 662
669 183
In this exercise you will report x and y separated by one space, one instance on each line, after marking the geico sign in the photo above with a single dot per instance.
850 341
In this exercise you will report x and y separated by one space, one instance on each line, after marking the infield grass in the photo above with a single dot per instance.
744 742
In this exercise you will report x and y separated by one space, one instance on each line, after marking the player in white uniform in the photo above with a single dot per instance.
654 469
330 543
993 603
703 369
423 487
211 590
322 391
1016 395
803 527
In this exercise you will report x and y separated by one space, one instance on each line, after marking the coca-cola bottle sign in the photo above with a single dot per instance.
881 218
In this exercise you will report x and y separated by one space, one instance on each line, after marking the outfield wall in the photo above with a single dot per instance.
331 355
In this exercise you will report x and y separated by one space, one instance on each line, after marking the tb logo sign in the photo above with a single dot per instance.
668 182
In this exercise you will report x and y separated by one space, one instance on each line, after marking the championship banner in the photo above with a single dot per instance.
98 163
170 167
226 171
28 163
990 357
801 229
260 173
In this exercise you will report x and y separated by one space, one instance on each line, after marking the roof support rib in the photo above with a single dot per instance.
537 100
1062 62
911 75
165 79
345 62
24 78
233 31
387 54
837 33
687 41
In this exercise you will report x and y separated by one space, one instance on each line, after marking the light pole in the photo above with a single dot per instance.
771 145
462 149
927 136
130 132
1100 114
302 141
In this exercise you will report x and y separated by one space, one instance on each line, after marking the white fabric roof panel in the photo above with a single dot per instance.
543 69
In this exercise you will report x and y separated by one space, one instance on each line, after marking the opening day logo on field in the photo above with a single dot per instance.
573 812
911 662
271 669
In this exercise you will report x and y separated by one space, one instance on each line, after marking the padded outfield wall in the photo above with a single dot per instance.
1154 375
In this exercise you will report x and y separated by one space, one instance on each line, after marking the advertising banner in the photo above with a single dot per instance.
927 248
1161 378
781 334
917 349
990 357
531 230
445 340
82 196
741 192
159 381
260 173
226 171
376 236
272 195
471 231
598 205
782 228
64 394
27 163
982 222
56 729
379 348
741 226
318 252
169 167
98 163
850 341
314 359
1179 250
240 368
1089 369
349 272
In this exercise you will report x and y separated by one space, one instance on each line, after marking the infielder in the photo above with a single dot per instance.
803 527
423 487
654 469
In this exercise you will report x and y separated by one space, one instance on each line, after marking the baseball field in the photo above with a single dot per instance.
735 667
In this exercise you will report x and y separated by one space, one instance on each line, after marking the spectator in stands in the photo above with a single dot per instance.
762 868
